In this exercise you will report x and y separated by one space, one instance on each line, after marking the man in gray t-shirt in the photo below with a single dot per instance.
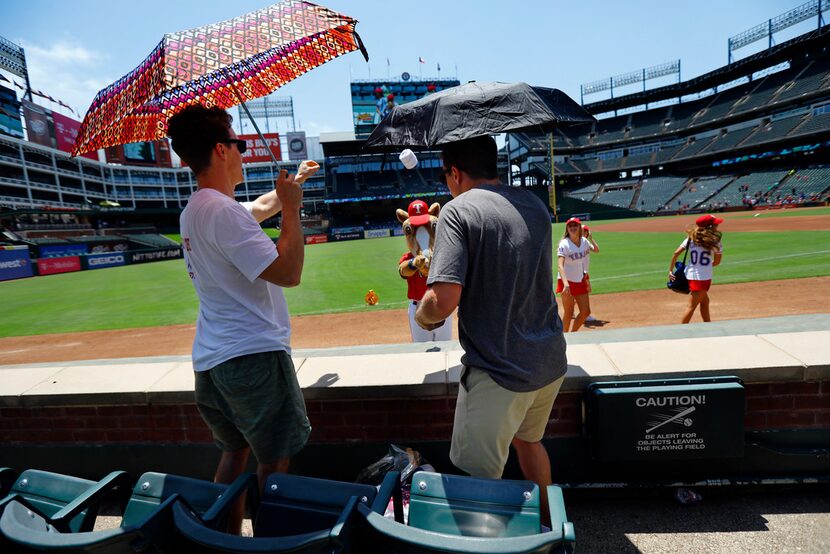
493 260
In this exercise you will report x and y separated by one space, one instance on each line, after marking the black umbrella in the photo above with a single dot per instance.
473 110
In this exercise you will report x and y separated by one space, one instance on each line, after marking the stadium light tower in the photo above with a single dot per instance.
641 75
13 60
813 8
270 108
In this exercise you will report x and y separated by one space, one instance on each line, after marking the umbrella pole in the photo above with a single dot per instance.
552 180
248 113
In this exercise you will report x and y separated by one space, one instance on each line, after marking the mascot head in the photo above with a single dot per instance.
418 224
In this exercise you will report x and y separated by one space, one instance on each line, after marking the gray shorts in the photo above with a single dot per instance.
254 400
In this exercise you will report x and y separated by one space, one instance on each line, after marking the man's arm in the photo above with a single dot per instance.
437 305
267 205
286 270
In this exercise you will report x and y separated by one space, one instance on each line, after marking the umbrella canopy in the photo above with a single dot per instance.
473 110
255 54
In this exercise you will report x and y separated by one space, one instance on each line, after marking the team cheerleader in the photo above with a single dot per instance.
705 252
572 280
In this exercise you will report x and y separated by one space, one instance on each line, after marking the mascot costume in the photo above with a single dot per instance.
418 224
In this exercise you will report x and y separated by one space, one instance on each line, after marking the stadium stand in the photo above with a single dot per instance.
656 192
813 124
695 147
754 185
730 140
648 123
761 95
697 191
809 82
620 196
773 130
811 183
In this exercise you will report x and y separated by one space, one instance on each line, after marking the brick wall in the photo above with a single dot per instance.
798 405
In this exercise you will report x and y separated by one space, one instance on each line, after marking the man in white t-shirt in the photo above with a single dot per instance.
246 388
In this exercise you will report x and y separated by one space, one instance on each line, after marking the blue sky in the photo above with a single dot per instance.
74 48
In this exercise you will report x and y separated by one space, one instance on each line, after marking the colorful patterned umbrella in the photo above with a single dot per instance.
217 65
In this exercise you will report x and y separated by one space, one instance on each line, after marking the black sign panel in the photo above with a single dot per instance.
353 235
161 254
668 419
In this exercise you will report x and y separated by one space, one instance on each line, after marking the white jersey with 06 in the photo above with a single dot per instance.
700 261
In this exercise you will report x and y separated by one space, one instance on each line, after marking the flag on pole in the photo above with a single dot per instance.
388 63
421 60
439 68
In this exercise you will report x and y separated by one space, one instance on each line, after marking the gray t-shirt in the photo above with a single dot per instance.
495 241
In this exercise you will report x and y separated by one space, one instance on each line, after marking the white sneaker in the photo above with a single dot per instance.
590 318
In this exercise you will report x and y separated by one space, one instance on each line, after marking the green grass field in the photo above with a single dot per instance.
338 275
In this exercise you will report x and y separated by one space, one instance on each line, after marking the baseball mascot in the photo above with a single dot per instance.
418 224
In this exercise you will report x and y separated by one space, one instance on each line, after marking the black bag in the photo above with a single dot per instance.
680 283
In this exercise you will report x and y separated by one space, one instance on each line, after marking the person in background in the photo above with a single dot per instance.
586 234
705 252
571 280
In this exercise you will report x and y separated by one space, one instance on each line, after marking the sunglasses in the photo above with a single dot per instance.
241 145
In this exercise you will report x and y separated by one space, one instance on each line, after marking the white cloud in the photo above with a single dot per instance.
63 52
67 71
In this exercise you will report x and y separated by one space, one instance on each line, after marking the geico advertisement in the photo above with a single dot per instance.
110 259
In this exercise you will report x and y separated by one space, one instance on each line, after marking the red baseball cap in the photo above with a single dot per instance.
390 96
573 220
707 220
418 212
585 228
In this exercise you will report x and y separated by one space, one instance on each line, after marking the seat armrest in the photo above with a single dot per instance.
390 484
60 520
7 479
216 514
341 531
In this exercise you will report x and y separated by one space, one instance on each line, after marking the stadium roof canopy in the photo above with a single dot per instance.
804 46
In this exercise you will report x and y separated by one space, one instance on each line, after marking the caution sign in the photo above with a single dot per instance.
667 419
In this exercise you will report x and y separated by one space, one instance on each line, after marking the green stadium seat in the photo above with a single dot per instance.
147 522
454 514
295 514
71 502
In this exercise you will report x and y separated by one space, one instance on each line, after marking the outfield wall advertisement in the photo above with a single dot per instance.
15 262
109 259
61 250
155 255
50 266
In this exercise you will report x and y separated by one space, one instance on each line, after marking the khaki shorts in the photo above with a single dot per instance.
488 417
255 401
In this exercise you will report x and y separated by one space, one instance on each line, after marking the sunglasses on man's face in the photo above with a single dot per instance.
241 145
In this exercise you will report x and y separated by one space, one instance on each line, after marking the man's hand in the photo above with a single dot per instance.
306 170
289 192
428 326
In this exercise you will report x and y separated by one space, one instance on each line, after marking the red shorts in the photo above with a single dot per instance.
576 288
700 285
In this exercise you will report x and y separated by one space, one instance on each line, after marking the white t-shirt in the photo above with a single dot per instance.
575 259
699 261
225 251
